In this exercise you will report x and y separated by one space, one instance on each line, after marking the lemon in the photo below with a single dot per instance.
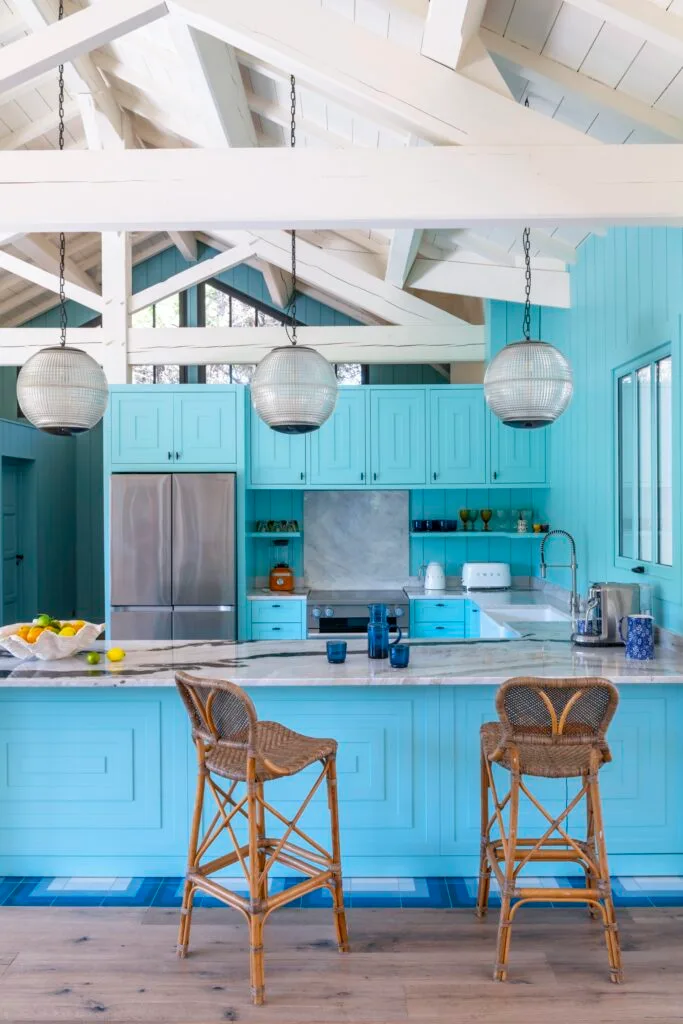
67 631
116 654
42 620
93 658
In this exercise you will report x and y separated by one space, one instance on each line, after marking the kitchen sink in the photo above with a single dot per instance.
531 613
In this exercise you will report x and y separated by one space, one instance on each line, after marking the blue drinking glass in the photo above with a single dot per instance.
399 655
336 651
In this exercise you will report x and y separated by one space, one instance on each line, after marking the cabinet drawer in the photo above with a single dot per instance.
439 611
276 611
271 631
454 631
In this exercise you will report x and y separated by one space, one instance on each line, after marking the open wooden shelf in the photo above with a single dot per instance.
477 534
282 535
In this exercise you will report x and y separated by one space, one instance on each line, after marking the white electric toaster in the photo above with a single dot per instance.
486 576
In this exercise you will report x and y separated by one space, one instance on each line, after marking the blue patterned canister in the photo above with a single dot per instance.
639 638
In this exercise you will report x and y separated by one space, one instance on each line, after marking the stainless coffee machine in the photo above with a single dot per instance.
607 605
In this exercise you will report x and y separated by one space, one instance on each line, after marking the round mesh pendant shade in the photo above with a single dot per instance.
62 391
528 384
294 389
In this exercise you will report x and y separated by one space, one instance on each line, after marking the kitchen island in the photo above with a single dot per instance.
97 767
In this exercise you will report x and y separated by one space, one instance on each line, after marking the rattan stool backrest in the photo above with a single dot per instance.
556 711
220 712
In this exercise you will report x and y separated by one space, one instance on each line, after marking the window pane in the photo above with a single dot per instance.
242 373
242 314
267 321
349 373
645 474
143 317
167 375
167 312
626 525
218 373
216 307
665 463
143 375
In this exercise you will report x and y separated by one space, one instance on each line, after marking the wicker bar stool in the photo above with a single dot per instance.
548 728
233 744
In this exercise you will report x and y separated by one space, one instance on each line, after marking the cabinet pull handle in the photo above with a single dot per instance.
178 454
638 568
277 606
435 474
276 629
302 475
362 476
374 476
440 604
170 455
495 474
440 627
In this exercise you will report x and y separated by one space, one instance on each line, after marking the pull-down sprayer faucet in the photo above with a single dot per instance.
574 600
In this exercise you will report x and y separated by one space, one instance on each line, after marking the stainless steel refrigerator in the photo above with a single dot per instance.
173 556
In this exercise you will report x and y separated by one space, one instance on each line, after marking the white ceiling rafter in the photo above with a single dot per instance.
642 18
450 27
50 280
186 244
45 254
194 275
538 69
218 83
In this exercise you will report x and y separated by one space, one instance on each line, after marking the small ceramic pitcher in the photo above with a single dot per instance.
639 638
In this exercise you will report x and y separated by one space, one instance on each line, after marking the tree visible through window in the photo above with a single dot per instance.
166 313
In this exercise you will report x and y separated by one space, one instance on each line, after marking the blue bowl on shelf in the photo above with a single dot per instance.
336 651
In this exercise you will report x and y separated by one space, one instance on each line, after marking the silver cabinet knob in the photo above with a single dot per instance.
329 612
398 612
317 612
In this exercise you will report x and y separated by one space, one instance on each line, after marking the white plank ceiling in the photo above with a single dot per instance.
571 66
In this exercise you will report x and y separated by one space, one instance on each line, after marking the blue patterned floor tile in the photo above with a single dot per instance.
378 900
169 893
22 895
7 887
143 896
434 893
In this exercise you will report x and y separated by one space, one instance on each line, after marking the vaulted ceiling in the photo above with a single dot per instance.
609 70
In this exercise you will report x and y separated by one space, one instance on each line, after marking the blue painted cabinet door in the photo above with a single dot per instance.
517 456
458 436
337 450
397 427
142 429
205 429
276 459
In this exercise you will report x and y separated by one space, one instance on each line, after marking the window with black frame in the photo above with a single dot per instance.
170 312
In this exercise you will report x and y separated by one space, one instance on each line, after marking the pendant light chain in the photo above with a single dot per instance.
526 244
62 236
292 142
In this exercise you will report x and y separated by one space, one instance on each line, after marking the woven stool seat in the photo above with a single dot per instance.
275 744
232 744
551 729
563 758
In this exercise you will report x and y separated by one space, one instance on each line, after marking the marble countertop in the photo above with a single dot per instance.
277 595
543 649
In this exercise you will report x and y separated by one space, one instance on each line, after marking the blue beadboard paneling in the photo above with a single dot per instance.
626 301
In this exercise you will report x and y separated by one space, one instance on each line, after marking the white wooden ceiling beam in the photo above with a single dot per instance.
152 190
488 281
186 244
539 70
218 86
552 246
335 276
201 345
80 33
41 126
278 282
641 18
372 75
101 115
17 344
450 27
45 254
194 275
117 284
50 281
403 249
470 241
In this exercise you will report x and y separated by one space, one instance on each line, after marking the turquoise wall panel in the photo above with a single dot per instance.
626 301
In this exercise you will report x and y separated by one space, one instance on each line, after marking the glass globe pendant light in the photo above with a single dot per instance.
528 384
62 390
294 388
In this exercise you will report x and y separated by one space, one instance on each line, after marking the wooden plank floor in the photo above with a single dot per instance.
424 966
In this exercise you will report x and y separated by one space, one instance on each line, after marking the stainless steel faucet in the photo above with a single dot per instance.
574 601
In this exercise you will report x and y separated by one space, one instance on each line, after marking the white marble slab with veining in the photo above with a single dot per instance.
544 650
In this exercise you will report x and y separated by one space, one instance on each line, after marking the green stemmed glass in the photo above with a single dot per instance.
465 516
486 514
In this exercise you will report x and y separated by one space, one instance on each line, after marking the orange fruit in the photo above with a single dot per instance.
33 633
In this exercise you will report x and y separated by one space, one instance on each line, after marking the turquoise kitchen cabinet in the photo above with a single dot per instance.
204 429
517 456
338 449
283 619
398 436
458 436
276 460
142 429
439 618
185 428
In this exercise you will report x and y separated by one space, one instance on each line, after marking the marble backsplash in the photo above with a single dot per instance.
356 540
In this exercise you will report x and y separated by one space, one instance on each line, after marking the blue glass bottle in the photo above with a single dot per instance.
378 631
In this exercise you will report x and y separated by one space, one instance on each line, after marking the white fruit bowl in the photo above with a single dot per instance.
49 646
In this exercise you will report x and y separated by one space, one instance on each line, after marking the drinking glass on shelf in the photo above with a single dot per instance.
501 519
486 514
465 516
474 515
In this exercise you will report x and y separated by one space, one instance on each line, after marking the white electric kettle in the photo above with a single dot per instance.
435 576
